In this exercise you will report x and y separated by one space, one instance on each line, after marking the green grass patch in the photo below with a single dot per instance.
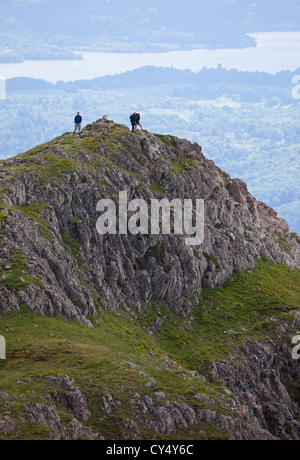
212 258
96 358
282 242
36 213
38 149
184 165
13 272
3 216
223 319
156 188
50 171
167 140
133 174
227 316
73 245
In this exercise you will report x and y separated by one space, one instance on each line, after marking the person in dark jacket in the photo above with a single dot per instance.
133 120
77 121
138 120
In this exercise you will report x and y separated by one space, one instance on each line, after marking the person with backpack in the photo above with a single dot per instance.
138 120
78 121
135 119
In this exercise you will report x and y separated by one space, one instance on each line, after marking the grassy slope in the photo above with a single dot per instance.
96 358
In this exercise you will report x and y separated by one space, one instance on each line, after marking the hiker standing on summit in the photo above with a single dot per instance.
138 120
135 120
77 121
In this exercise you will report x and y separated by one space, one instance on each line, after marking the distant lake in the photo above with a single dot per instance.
275 51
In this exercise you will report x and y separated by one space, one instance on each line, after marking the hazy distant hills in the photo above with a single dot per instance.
128 26
152 76
208 83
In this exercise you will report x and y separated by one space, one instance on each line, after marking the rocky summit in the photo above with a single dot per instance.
137 336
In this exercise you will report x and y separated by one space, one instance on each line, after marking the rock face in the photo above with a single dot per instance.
166 419
48 206
54 262
7 425
256 381
70 396
48 417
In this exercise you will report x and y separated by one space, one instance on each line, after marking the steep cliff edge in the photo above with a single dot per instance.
185 342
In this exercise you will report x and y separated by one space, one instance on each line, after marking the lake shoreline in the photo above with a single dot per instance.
275 51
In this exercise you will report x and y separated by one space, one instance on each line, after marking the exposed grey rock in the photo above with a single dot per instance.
109 404
167 419
70 396
5 395
132 365
194 375
255 380
47 417
131 269
80 431
203 399
130 431
8 302
71 266
36 299
150 384
7 425
296 321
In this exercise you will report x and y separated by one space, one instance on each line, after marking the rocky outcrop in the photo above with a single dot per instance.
248 401
54 262
49 198
7 425
70 396
153 412
46 414
79 431
48 417
256 381
166 419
